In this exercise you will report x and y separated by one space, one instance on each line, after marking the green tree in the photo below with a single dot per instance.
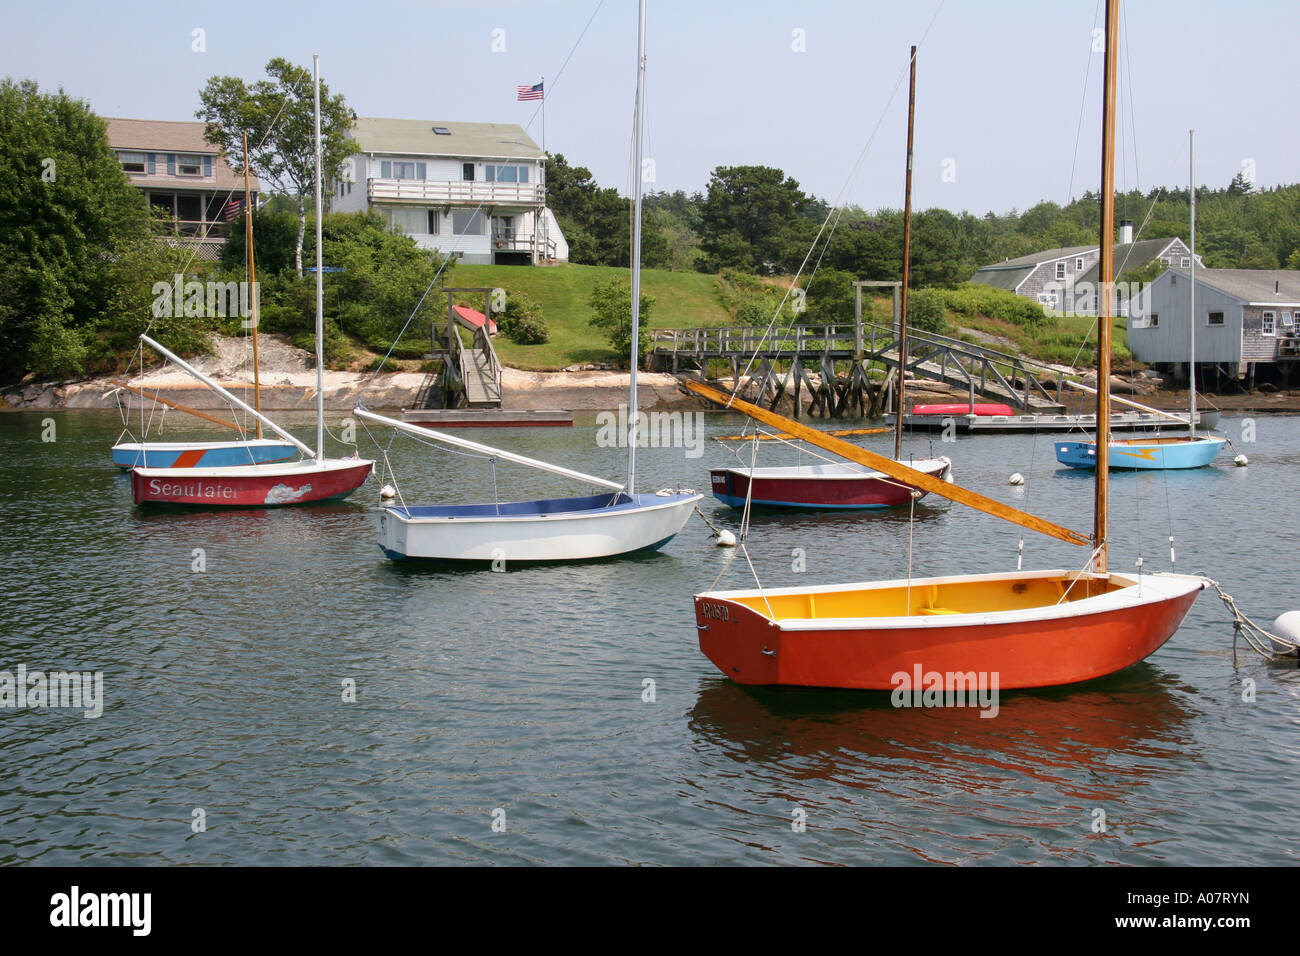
278 116
68 220
611 311
751 218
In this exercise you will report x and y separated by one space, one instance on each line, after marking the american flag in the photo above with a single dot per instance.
231 212
533 92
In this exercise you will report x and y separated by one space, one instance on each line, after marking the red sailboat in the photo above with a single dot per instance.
314 479
842 484
1020 629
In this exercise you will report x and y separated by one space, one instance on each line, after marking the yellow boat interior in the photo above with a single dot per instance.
979 595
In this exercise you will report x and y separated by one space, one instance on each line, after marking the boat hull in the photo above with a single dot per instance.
546 530
1141 455
827 486
250 486
1037 646
221 454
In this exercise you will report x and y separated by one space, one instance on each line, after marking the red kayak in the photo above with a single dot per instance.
965 408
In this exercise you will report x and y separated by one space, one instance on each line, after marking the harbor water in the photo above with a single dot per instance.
275 691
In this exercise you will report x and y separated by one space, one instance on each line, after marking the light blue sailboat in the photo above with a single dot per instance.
1160 454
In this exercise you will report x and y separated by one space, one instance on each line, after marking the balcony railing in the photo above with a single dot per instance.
190 229
462 193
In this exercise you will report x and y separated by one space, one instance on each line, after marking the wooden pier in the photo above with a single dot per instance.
835 365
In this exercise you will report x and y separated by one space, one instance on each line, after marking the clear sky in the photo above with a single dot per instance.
798 86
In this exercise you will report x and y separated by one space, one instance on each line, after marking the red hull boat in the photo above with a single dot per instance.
250 486
1024 629
830 486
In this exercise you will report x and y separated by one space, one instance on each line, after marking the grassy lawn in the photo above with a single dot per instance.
681 299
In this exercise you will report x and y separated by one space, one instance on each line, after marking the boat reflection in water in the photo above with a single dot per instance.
1007 789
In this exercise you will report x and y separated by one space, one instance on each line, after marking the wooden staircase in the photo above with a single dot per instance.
482 378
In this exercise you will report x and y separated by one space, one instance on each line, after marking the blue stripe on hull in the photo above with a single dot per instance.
212 458
476 562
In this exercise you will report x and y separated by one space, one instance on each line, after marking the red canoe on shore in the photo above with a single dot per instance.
475 318
963 408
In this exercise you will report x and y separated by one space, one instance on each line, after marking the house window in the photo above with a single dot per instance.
1060 270
1155 321
1268 325
1286 321
1078 265
467 223
131 162
506 174
441 131
1166 260
1187 262
1216 318
407 220
433 222
467 172
189 165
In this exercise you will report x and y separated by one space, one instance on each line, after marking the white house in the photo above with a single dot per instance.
476 191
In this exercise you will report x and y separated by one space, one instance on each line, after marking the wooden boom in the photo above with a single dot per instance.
176 405
893 468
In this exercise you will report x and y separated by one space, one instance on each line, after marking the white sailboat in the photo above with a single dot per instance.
617 522
313 479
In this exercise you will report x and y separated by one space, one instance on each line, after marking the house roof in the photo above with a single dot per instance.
1129 255
1009 274
166 136
1253 286
417 138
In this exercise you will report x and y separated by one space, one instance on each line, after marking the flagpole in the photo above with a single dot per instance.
543 86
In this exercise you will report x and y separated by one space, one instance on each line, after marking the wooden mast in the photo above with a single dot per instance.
252 281
1106 272
907 260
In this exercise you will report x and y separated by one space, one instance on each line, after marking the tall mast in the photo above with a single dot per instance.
252 281
1106 269
320 276
636 246
1191 325
907 265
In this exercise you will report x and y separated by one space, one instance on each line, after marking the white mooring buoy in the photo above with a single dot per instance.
726 539
1016 479
1287 626
1241 461
388 491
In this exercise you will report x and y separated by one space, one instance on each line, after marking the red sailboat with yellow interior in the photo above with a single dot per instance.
1021 629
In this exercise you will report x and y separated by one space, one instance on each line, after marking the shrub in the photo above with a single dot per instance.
927 310
611 306
521 321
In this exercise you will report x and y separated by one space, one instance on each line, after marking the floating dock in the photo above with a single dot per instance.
1124 421
487 417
